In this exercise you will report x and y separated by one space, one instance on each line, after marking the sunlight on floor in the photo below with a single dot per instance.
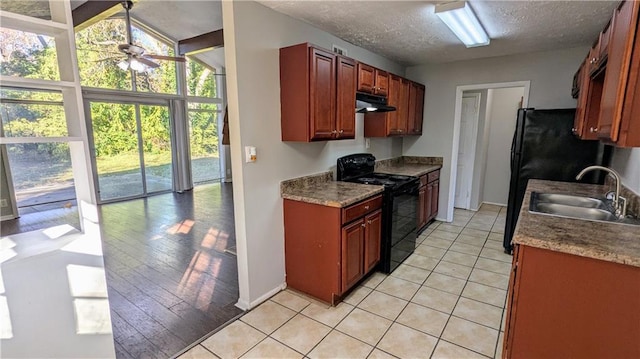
183 227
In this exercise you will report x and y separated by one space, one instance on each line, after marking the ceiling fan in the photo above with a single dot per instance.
137 57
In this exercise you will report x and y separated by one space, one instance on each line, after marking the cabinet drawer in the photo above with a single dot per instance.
423 180
360 209
432 176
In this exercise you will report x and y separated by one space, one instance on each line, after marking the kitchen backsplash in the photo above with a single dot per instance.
305 181
409 160
633 200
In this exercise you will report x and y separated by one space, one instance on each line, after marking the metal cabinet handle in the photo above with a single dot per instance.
334 132
369 221
574 130
341 131
593 129
366 207
363 225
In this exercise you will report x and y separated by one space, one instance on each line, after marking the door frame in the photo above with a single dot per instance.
457 117
474 142
125 100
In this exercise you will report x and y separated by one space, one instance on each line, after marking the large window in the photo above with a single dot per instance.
25 54
98 58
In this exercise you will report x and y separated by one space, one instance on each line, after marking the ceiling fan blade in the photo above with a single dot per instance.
162 57
147 62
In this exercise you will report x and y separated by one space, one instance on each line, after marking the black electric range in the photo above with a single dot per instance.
399 206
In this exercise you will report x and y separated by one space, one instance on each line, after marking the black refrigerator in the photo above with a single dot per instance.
544 147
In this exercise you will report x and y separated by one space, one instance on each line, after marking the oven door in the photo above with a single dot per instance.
403 223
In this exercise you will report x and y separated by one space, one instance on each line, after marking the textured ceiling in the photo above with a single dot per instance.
409 32
404 31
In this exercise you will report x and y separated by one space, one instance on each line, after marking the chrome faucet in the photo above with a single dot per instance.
621 208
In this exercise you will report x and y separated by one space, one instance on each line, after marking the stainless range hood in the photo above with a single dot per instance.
366 103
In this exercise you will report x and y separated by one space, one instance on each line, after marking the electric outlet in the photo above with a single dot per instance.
4 203
367 143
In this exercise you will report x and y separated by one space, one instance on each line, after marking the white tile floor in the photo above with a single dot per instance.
446 301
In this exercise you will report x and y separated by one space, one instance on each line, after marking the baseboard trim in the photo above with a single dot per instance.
244 305
494 204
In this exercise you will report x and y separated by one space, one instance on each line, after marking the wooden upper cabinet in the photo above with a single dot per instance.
322 88
585 123
408 99
346 98
416 108
623 31
381 83
403 107
372 80
317 94
393 99
366 78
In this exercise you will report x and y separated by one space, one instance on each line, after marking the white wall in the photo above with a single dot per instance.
253 35
481 153
502 124
627 162
550 73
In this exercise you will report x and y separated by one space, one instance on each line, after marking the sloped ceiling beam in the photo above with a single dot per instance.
93 11
200 43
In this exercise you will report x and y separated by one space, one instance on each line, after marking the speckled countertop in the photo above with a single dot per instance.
610 242
409 169
409 166
323 190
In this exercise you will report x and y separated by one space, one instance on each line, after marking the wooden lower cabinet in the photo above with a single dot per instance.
428 198
566 306
329 249
352 249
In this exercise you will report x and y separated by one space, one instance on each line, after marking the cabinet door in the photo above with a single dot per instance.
613 93
366 79
428 202
381 83
422 197
322 94
434 199
418 117
372 238
346 98
411 112
352 254
587 115
403 107
582 91
393 99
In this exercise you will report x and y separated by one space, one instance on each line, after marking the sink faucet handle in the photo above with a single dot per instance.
610 195
622 206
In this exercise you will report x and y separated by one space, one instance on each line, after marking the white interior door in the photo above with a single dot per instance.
466 150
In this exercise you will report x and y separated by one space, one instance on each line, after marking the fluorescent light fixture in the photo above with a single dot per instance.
459 17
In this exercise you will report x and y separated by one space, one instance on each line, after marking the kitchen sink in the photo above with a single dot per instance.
578 207
569 200
563 210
